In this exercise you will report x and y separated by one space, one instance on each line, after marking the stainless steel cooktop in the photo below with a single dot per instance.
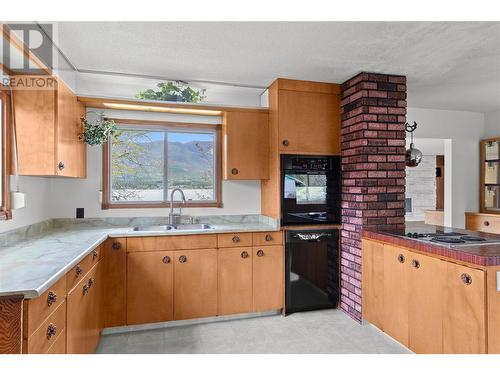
451 239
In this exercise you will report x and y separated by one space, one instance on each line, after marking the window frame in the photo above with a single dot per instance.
5 210
106 167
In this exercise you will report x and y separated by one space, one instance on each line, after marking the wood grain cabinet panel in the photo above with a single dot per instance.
395 320
425 310
195 283
234 280
488 223
267 238
59 345
268 278
48 332
493 295
198 241
464 310
48 128
245 146
150 287
234 239
373 282
115 281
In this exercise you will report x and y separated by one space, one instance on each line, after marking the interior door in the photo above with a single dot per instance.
195 283
150 287
268 278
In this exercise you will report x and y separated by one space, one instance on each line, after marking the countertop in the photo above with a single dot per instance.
30 265
483 255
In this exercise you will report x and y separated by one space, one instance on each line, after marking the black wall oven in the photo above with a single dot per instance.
310 189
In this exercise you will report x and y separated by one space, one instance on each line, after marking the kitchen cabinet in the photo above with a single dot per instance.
395 321
48 129
489 223
425 303
234 280
245 145
464 324
50 331
150 287
84 313
195 283
489 185
373 282
115 281
268 278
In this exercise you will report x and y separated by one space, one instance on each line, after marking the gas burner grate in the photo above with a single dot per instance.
473 238
445 239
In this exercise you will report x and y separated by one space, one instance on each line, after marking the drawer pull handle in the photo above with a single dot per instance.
415 263
234 171
60 166
269 237
486 223
91 282
95 254
78 271
401 258
85 289
286 142
117 246
466 278
166 259
183 259
51 298
236 239
260 253
51 331
244 254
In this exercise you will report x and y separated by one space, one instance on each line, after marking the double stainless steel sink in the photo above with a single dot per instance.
173 228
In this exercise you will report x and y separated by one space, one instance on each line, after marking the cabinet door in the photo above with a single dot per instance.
395 320
245 146
373 282
464 310
115 274
425 320
150 280
268 278
95 308
235 281
309 122
195 283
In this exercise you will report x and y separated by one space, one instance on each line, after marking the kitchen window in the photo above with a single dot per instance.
145 160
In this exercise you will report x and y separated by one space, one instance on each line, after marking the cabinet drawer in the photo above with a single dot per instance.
235 239
38 309
267 238
59 346
483 223
197 241
79 271
46 335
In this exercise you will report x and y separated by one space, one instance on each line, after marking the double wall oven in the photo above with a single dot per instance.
310 201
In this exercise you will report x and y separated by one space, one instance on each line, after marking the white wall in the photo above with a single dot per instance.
464 131
492 124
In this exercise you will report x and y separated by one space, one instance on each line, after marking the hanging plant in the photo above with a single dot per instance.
97 132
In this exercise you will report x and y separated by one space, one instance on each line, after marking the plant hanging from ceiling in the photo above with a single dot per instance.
97 132
173 91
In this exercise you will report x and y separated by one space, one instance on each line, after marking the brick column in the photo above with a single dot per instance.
373 169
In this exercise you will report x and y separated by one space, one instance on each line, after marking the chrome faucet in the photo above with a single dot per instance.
172 217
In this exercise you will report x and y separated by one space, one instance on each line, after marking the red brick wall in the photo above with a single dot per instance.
373 169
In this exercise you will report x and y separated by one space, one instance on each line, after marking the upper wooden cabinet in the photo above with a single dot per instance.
308 117
245 145
48 131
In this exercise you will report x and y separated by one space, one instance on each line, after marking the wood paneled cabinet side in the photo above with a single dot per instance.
115 282
245 145
372 260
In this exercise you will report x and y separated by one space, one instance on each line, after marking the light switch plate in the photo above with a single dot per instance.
498 281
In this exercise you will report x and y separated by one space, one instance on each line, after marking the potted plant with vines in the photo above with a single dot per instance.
97 132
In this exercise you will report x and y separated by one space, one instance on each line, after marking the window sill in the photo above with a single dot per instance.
108 206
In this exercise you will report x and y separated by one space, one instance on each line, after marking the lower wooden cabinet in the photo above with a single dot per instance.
115 279
235 280
268 278
464 324
150 287
195 283
373 282
489 223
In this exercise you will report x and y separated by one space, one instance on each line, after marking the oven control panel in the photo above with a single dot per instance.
311 164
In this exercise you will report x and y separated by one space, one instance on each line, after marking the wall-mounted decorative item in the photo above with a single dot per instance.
97 132
413 155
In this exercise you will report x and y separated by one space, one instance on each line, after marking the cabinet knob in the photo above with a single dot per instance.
235 171
51 330
401 258
260 253
117 245
466 278
236 239
85 289
91 282
486 223
95 254
78 271
183 259
285 142
60 166
415 263
166 259
244 254
51 298
269 237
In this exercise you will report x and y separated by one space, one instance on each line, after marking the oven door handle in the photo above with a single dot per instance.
311 237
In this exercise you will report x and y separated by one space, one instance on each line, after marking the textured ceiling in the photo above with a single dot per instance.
449 65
